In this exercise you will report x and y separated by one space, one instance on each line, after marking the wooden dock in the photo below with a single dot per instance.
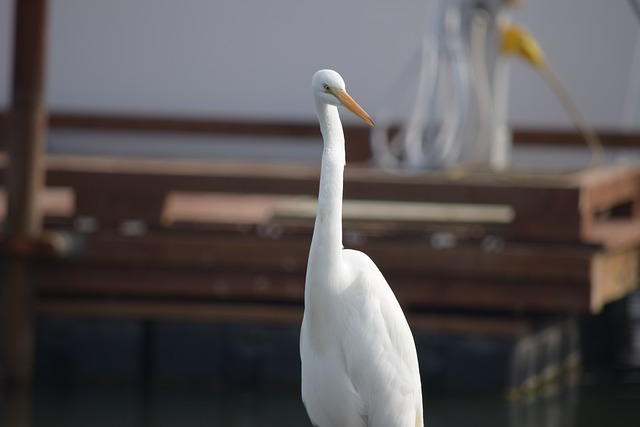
151 240
228 242
240 233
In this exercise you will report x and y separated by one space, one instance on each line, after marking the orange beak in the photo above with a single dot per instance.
351 105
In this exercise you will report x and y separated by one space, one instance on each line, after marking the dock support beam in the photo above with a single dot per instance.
26 134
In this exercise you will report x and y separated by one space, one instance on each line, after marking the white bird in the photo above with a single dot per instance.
359 360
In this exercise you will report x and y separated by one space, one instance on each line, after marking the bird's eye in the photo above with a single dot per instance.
326 87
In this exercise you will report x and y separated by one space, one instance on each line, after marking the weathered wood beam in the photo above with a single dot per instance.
599 206
27 120
26 130
561 208
278 314
358 136
112 282
256 254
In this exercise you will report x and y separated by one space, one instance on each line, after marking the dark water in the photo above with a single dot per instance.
581 404
607 393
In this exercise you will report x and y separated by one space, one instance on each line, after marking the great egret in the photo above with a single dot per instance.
359 360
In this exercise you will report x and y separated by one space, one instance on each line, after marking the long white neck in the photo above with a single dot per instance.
326 244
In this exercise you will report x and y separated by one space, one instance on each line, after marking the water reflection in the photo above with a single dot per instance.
111 407
554 406
16 409
566 404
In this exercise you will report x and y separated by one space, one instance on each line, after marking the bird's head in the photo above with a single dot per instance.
328 87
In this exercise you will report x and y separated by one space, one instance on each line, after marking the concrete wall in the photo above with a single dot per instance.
255 58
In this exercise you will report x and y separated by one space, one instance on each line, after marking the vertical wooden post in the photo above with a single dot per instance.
26 133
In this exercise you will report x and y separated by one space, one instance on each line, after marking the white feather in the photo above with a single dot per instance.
359 361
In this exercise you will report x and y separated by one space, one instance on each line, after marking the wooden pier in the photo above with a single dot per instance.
183 233
228 241
565 244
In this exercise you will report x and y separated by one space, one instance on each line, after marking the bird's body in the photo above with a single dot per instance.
359 361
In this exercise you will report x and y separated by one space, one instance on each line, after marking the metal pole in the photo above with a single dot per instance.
26 133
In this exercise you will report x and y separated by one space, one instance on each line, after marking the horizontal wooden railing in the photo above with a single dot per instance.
358 136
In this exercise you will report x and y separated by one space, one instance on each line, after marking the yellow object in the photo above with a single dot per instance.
516 40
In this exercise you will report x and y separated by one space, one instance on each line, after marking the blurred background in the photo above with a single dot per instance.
157 223
255 60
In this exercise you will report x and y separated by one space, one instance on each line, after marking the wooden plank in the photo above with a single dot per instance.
120 205
564 137
254 253
513 262
263 178
3 129
27 127
414 212
59 202
246 266
570 210
615 274
117 281
163 176
532 203
18 325
211 207
189 125
614 234
248 253
270 314
558 209
358 229
602 193
114 281
357 136
148 310
206 211
510 296
27 124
